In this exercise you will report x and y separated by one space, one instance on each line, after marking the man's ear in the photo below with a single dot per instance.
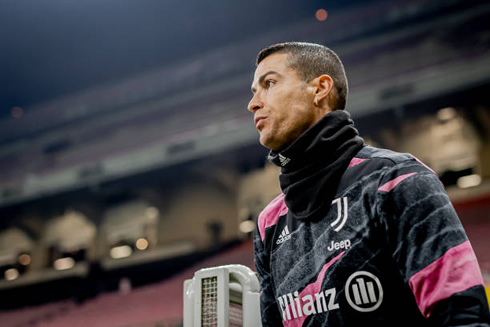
323 90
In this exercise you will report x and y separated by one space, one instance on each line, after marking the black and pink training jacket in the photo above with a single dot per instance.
385 247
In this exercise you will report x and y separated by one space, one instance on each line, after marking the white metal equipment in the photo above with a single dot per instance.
221 297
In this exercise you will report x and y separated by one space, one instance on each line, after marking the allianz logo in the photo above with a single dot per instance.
363 292
344 244
294 305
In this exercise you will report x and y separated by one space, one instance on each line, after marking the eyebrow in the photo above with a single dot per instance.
261 78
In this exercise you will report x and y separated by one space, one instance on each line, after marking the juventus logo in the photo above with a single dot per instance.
342 213
363 291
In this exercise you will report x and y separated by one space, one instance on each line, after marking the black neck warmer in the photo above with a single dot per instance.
312 166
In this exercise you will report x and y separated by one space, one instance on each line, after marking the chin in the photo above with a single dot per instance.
272 147
266 143
270 142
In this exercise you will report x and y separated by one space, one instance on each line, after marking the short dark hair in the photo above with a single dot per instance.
311 60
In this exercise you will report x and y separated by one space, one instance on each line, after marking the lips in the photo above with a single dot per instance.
258 120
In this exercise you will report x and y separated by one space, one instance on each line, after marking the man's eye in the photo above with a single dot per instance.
269 83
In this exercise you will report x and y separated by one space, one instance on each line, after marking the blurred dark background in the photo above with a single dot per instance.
128 159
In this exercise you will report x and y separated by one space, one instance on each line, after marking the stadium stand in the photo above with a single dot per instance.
159 304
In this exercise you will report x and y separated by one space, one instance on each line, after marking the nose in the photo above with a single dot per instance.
255 104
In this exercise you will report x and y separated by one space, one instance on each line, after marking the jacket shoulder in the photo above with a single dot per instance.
271 213
384 155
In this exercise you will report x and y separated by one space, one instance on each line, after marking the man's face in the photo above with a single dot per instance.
282 104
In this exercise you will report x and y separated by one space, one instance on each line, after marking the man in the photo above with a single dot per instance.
360 236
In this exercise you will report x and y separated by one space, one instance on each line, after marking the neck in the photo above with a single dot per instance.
314 163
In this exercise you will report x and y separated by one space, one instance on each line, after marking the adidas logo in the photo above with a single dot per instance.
284 161
284 236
